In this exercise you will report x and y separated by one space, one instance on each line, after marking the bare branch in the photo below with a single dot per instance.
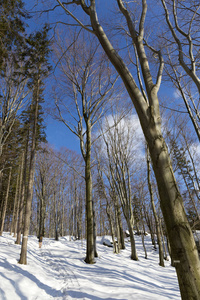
74 17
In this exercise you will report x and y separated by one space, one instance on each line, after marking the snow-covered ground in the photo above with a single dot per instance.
58 271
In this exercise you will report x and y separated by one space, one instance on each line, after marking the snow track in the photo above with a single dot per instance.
58 271
71 287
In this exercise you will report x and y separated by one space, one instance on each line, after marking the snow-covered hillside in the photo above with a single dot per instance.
58 271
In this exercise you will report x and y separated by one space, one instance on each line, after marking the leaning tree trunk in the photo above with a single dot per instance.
183 247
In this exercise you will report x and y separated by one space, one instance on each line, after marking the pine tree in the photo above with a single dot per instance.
12 38
12 28
37 68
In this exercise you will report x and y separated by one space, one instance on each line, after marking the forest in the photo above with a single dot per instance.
123 77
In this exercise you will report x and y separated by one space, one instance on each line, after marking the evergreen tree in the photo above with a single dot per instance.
12 28
37 68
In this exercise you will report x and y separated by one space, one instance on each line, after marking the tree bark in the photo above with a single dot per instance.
183 247
89 210
23 254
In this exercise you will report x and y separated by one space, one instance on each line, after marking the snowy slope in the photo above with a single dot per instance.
58 271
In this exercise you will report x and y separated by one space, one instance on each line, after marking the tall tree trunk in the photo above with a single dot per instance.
5 204
183 247
23 254
23 192
89 210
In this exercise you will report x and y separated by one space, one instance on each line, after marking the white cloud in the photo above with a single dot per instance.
176 94
130 131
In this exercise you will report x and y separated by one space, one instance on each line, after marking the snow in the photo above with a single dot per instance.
58 271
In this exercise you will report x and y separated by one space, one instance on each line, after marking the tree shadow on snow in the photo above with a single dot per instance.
81 295
15 268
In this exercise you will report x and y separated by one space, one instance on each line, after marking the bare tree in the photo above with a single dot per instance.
13 97
111 207
183 59
88 82
144 96
120 147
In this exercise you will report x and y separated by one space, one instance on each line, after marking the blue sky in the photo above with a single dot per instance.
59 136
57 133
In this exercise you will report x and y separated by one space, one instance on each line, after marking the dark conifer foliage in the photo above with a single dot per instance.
23 67
12 28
